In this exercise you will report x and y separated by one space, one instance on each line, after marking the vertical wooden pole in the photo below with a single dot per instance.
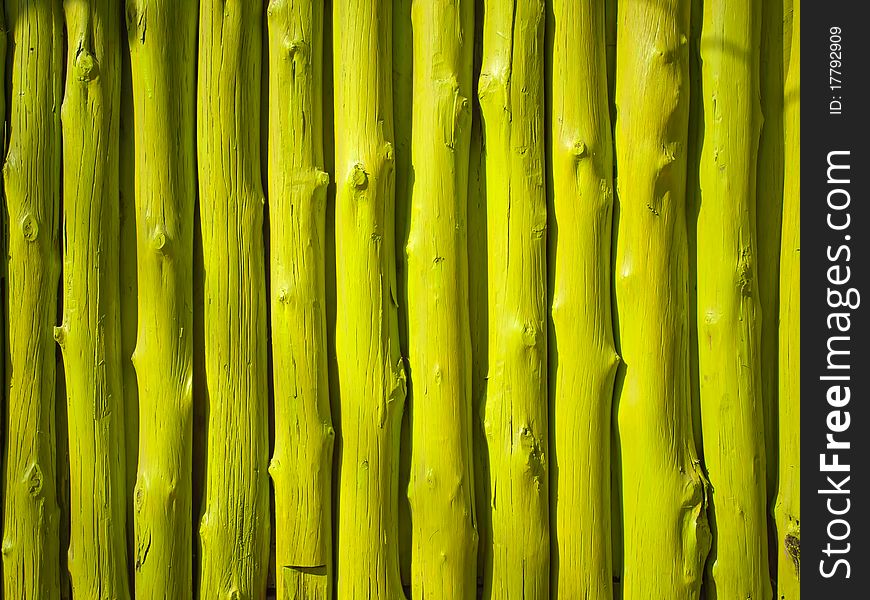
90 334
234 530
728 309
582 356
31 182
665 541
371 376
511 92
162 41
441 491
301 466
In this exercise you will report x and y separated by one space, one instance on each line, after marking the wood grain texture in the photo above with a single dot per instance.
301 464
371 377
441 491
728 302
582 355
90 335
234 528
162 38
511 94
665 542
31 180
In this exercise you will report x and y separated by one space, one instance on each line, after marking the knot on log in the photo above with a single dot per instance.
359 179
34 480
87 68
29 228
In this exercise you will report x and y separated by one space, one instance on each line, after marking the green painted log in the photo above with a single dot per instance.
31 178
788 499
441 491
162 38
666 541
90 335
583 357
301 466
370 372
729 310
234 530
511 92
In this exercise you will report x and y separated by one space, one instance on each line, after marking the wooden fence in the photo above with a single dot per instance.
372 299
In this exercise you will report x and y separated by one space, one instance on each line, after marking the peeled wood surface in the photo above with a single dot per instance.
441 490
90 333
669 537
504 224
583 358
234 527
162 38
728 306
302 461
511 94
371 376
31 181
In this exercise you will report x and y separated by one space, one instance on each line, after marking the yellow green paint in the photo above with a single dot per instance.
31 183
583 358
657 456
161 39
301 464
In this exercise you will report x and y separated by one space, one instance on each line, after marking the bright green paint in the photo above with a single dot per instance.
90 333
162 46
583 359
234 528
669 536
301 466
31 181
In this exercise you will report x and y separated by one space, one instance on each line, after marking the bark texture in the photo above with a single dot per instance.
441 490
234 530
301 466
90 335
31 179
511 93
583 358
371 376
728 309
162 40
666 541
